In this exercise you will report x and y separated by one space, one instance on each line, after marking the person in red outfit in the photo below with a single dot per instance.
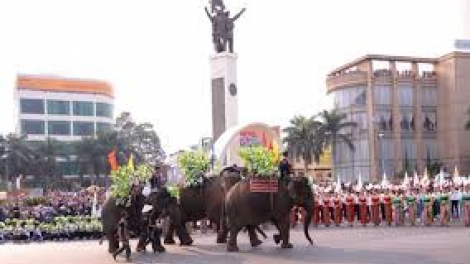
338 214
326 208
375 199
363 209
388 207
350 208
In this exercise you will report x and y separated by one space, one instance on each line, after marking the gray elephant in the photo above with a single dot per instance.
246 208
161 203
207 201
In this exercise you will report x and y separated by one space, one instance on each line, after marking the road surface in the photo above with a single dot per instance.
383 245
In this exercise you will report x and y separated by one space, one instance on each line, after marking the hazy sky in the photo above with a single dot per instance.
156 52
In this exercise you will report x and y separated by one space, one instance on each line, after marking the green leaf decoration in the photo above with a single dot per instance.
193 164
174 191
121 185
259 161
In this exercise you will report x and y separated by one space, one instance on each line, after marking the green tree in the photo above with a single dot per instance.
48 153
17 156
303 140
91 159
334 126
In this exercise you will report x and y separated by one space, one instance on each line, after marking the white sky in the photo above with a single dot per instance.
156 52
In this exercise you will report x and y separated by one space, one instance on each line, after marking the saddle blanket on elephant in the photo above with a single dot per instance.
264 186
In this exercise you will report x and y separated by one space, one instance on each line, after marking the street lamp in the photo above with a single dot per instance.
5 157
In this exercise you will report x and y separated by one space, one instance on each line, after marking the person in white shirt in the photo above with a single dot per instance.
455 197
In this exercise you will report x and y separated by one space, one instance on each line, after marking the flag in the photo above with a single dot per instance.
112 160
275 150
130 163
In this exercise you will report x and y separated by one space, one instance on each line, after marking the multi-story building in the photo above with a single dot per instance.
60 108
410 111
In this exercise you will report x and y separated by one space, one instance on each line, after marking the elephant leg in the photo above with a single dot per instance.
222 233
182 233
113 243
261 232
284 229
142 244
254 240
169 240
156 241
232 241
277 237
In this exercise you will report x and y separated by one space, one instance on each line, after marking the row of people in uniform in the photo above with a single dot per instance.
62 228
394 205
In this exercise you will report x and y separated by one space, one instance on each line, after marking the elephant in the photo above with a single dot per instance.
111 214
207 201
161 202
246 208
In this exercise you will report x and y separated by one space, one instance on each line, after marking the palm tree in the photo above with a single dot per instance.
303 140
16 155
48 153
333 124
92 157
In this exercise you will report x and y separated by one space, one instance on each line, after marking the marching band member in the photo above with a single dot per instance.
375 203
338 214
398 209
363 209
411 202
466 203
350 208
388 207
426 215
326 207
444 201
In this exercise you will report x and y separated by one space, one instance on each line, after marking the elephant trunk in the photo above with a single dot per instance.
308 206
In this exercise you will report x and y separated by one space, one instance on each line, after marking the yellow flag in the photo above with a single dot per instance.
130 165
275 149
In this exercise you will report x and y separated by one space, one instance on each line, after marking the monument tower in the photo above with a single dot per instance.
462 43
223 69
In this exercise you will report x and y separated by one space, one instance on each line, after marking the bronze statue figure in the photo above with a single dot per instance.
222 26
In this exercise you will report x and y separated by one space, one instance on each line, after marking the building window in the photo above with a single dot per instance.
429 121
429 97
407 122
405 95
104 110
83 108
55 107
103 127
384 120
83 128
383 95
68 168
59 128
32 106
33 127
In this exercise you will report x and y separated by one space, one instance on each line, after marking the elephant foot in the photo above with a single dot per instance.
277 239
169 241
159 249
187 242
221 240
232 248
140 249
287 245
256 243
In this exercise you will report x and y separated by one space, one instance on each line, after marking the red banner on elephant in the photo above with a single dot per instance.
263 186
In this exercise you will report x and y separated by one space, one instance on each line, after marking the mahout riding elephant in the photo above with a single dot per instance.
246 208
207 201
161 203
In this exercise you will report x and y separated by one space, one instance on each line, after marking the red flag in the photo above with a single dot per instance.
112 160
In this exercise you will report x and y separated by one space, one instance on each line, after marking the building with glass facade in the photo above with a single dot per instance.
64 109
410 112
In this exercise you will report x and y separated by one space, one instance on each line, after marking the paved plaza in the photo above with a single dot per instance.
435 245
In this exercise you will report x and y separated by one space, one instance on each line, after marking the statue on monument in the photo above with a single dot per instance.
222 26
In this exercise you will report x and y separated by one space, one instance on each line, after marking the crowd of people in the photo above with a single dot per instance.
56 216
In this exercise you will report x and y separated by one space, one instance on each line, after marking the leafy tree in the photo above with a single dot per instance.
17 156
47 156
303 140
333 126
